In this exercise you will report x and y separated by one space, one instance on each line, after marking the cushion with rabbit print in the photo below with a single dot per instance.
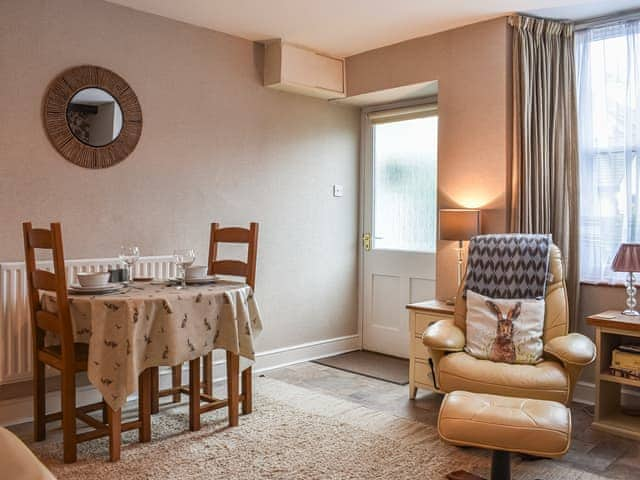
504 330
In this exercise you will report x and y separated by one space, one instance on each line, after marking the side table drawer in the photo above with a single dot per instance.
421 315
420 352
422 374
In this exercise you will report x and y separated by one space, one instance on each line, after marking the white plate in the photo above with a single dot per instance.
202 281
100 292
107 286
110 287
196 281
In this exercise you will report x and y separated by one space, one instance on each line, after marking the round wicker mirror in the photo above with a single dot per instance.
92 116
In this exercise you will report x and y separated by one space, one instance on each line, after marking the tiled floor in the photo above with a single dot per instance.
591 451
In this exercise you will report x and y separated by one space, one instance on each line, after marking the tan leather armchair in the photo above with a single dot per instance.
18 462
565 355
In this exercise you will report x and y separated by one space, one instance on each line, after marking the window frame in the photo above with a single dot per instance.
388 113
603 32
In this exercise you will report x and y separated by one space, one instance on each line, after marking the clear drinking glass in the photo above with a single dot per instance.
129 255
184 259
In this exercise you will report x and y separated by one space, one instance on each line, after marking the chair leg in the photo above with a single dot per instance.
39 402
154 385
233 367
69 416
207 373
247 391
105 413
194 394
115 430
176 382
500 465
145 392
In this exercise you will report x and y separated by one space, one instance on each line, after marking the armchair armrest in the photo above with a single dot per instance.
573 349
444 335
18 461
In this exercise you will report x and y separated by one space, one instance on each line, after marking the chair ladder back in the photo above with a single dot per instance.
213 248
248 236
38 279
252 255
234 268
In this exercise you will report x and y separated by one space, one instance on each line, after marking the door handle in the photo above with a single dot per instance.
366 241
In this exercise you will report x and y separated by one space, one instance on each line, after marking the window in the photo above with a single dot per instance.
405 179
608 83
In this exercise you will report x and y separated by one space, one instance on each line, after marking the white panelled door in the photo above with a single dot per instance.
399 221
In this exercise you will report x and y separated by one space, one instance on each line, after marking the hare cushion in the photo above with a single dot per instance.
504 330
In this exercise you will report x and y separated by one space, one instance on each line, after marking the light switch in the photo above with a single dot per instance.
338 190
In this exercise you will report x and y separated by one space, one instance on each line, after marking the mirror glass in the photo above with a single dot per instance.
94 117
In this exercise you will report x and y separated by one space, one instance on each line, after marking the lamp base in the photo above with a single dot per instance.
631 297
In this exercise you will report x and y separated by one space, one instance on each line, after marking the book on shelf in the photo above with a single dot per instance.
625 373
631 348
625 358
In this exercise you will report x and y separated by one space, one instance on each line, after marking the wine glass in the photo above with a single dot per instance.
184 259
129 255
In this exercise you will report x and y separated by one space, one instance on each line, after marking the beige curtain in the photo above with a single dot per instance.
544 192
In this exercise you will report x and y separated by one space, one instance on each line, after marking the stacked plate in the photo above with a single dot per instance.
77 289
195 281
202 280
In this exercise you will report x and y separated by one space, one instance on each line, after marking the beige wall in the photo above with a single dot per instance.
216 145
472 67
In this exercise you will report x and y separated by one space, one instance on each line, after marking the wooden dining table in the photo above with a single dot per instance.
147 325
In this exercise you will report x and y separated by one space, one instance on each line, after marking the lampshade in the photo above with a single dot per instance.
627 259
459 223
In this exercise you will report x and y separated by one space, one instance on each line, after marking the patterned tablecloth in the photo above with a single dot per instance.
149 325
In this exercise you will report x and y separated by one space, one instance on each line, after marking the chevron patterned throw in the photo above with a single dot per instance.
508 265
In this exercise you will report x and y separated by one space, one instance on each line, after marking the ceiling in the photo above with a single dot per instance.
346 27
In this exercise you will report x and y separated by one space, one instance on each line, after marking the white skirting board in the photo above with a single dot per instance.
19 410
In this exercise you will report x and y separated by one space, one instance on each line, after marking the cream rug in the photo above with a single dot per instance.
294 433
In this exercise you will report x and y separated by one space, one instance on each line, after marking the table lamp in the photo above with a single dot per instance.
459 224
628 260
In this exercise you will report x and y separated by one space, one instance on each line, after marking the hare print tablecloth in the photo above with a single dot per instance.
152 325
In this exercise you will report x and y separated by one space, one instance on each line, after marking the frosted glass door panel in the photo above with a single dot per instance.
405 185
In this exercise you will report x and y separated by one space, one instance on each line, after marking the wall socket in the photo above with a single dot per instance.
338 190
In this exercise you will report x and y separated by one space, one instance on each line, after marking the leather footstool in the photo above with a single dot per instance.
504 424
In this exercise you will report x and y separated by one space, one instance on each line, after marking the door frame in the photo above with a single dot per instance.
365 164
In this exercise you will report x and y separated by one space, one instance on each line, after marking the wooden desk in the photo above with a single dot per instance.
421 315
611 332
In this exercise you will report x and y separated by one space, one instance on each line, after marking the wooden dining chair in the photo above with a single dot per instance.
68 357
235 268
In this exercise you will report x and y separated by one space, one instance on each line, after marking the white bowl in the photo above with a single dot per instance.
93 279
195 272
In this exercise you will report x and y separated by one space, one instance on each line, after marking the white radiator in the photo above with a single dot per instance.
15 325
